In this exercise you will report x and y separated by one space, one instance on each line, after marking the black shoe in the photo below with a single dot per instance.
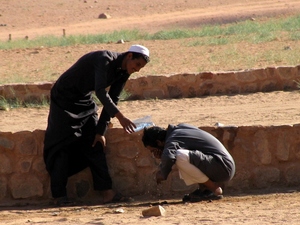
63 201
187 197
198 196
118 198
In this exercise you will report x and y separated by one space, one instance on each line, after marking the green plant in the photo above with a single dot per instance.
259 31
7 104
4 105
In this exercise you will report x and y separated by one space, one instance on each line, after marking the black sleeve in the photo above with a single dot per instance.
168 158
114 94
100 89
166 166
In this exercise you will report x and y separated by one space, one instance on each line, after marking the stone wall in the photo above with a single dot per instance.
214 83
266 157
182 85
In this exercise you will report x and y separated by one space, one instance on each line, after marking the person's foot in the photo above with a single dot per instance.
198 195
218 191
63 201
213 187
110 196
107 195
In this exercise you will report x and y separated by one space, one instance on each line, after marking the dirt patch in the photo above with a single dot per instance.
33 19
81 17
36 18
274 208
273 108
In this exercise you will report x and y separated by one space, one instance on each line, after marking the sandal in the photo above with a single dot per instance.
118 198
187 197
198 196
63 201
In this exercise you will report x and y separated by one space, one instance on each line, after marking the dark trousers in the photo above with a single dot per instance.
75 157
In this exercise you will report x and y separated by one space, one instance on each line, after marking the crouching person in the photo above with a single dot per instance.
199 156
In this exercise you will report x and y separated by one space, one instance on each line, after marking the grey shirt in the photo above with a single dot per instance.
206 152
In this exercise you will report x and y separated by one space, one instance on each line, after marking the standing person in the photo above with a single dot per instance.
199 156
74 137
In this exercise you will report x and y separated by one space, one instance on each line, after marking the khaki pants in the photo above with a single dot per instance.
187 171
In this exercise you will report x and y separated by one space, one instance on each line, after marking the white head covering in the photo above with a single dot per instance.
139 49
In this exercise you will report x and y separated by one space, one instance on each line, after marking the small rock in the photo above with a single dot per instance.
225 126
119 210
104 16
120 41
154 211
219 124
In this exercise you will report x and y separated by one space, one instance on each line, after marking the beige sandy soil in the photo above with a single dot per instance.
280 209
38 18
274 108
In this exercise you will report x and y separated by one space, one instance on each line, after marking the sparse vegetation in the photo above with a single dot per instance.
228 39
233 46
7 104
249 31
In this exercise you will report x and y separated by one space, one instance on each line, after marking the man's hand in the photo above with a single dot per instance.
126 123
159 177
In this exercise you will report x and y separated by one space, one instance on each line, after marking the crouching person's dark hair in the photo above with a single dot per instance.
152 134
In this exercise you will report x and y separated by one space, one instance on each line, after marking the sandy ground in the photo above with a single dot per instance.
276 108
266 209
32 19
35 18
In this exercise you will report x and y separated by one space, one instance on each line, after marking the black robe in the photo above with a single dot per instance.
72 106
